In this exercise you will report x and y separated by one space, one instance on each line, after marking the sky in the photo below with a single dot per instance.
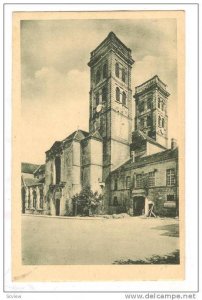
55 78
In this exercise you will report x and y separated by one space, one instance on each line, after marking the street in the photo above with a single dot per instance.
63 241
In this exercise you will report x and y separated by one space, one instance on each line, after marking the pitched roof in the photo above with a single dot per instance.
142 161
28 168
77 135
40 169
110 36
110 42
95 135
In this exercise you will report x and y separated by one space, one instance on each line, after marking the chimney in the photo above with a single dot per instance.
173 144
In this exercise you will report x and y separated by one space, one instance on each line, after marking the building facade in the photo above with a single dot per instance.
32 188
132 169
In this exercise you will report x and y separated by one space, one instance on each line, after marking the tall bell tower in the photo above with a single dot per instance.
151 100
111 100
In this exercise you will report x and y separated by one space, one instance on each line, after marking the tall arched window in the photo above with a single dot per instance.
104 94
149 120
123 75
97 98
162 123
117 94
57 169
141 107
124 98
98 75
117 70
159 103
149 103
104 71
159 121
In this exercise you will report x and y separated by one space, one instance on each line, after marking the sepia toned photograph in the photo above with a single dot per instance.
99 129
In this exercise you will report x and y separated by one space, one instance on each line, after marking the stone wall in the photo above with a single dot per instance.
159 193
92 158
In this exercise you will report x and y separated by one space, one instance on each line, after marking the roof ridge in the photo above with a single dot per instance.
146 159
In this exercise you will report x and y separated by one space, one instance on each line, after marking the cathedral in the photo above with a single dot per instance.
130 164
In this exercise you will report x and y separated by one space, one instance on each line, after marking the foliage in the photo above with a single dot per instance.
170 259
86 202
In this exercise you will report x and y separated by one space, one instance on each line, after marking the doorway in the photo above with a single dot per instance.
57 207
57 169
138 205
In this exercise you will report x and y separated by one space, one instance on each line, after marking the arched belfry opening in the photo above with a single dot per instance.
57 170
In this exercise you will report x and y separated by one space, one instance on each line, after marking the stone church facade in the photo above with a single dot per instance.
130 169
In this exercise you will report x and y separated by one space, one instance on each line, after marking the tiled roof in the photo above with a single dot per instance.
28 168
142 161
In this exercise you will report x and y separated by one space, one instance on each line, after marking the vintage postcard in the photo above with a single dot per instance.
98 146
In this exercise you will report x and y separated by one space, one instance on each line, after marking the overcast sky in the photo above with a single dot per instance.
56 78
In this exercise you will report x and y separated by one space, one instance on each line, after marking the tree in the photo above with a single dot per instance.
86 202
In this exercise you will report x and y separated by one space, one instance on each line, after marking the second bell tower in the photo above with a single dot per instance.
111 100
